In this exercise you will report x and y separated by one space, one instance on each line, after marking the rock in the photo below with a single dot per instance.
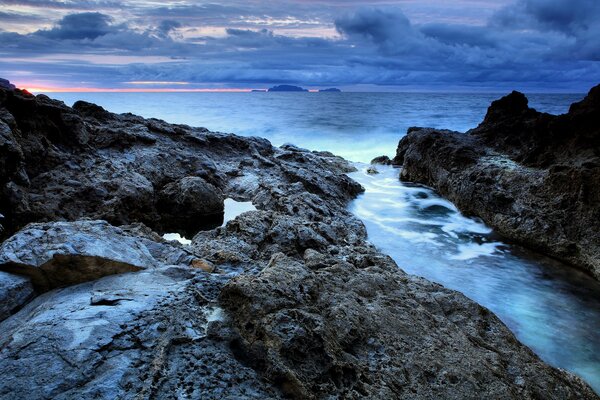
344 332
383 160
65 253
534 177
190 204
204 265
302 305
287 88
5 84
15 291
142 335
372 170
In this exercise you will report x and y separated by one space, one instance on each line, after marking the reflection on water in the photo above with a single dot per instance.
552 308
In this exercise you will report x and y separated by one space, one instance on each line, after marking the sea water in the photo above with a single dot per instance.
552 308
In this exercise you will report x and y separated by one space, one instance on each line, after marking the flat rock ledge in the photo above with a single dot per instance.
286 301
534 177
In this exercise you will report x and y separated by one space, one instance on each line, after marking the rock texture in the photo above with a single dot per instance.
534 177
289 300
15 291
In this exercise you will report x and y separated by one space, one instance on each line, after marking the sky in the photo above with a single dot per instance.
356 45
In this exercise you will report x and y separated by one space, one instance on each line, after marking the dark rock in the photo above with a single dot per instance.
190 204
287 88
313 310
5 84
534 177
381 160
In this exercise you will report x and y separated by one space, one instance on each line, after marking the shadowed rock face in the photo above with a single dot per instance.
289 300
535 177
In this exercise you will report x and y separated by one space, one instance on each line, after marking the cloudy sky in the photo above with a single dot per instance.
532 45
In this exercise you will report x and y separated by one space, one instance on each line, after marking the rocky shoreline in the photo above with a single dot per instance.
287 301
534 177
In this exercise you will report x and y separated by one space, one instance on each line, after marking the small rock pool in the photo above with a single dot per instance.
552 308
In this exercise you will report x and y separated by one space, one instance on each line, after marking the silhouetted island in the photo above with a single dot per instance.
287 88
259 90
336 90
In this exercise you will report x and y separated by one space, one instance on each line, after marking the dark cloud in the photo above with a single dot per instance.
89 25
528 44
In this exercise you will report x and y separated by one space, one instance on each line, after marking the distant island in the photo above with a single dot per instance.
330 90
259 90
287 88
291 88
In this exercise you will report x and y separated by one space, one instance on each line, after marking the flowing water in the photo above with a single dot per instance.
552 308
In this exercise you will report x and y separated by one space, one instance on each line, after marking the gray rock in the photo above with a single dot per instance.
15 291
65 253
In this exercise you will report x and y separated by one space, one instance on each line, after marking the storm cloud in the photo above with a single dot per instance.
528 44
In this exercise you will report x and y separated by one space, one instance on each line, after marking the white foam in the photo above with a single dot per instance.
176 237
473 250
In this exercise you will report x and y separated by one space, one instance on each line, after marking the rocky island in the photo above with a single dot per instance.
287 88
535 177
290 300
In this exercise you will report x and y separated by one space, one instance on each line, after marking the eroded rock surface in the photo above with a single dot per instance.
535 177
289 300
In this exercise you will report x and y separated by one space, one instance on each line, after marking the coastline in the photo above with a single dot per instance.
532 176
299 303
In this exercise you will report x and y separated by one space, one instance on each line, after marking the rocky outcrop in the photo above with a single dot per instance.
289 300
65 253
534 177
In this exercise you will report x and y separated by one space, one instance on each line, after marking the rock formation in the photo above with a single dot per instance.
298 303
534 177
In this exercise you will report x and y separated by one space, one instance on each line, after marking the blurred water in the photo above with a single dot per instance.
357 126
551 307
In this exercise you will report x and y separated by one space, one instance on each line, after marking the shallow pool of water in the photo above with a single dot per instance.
552 308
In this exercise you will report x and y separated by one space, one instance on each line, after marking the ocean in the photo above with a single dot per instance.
552 308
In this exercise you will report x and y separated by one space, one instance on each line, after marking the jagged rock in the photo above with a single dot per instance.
534 177
313 311
15 291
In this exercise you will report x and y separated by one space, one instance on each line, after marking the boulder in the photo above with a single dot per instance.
59 254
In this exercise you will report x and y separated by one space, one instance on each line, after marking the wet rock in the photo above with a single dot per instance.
15 291
534 177
372 170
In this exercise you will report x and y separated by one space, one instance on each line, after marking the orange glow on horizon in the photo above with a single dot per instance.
39 89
